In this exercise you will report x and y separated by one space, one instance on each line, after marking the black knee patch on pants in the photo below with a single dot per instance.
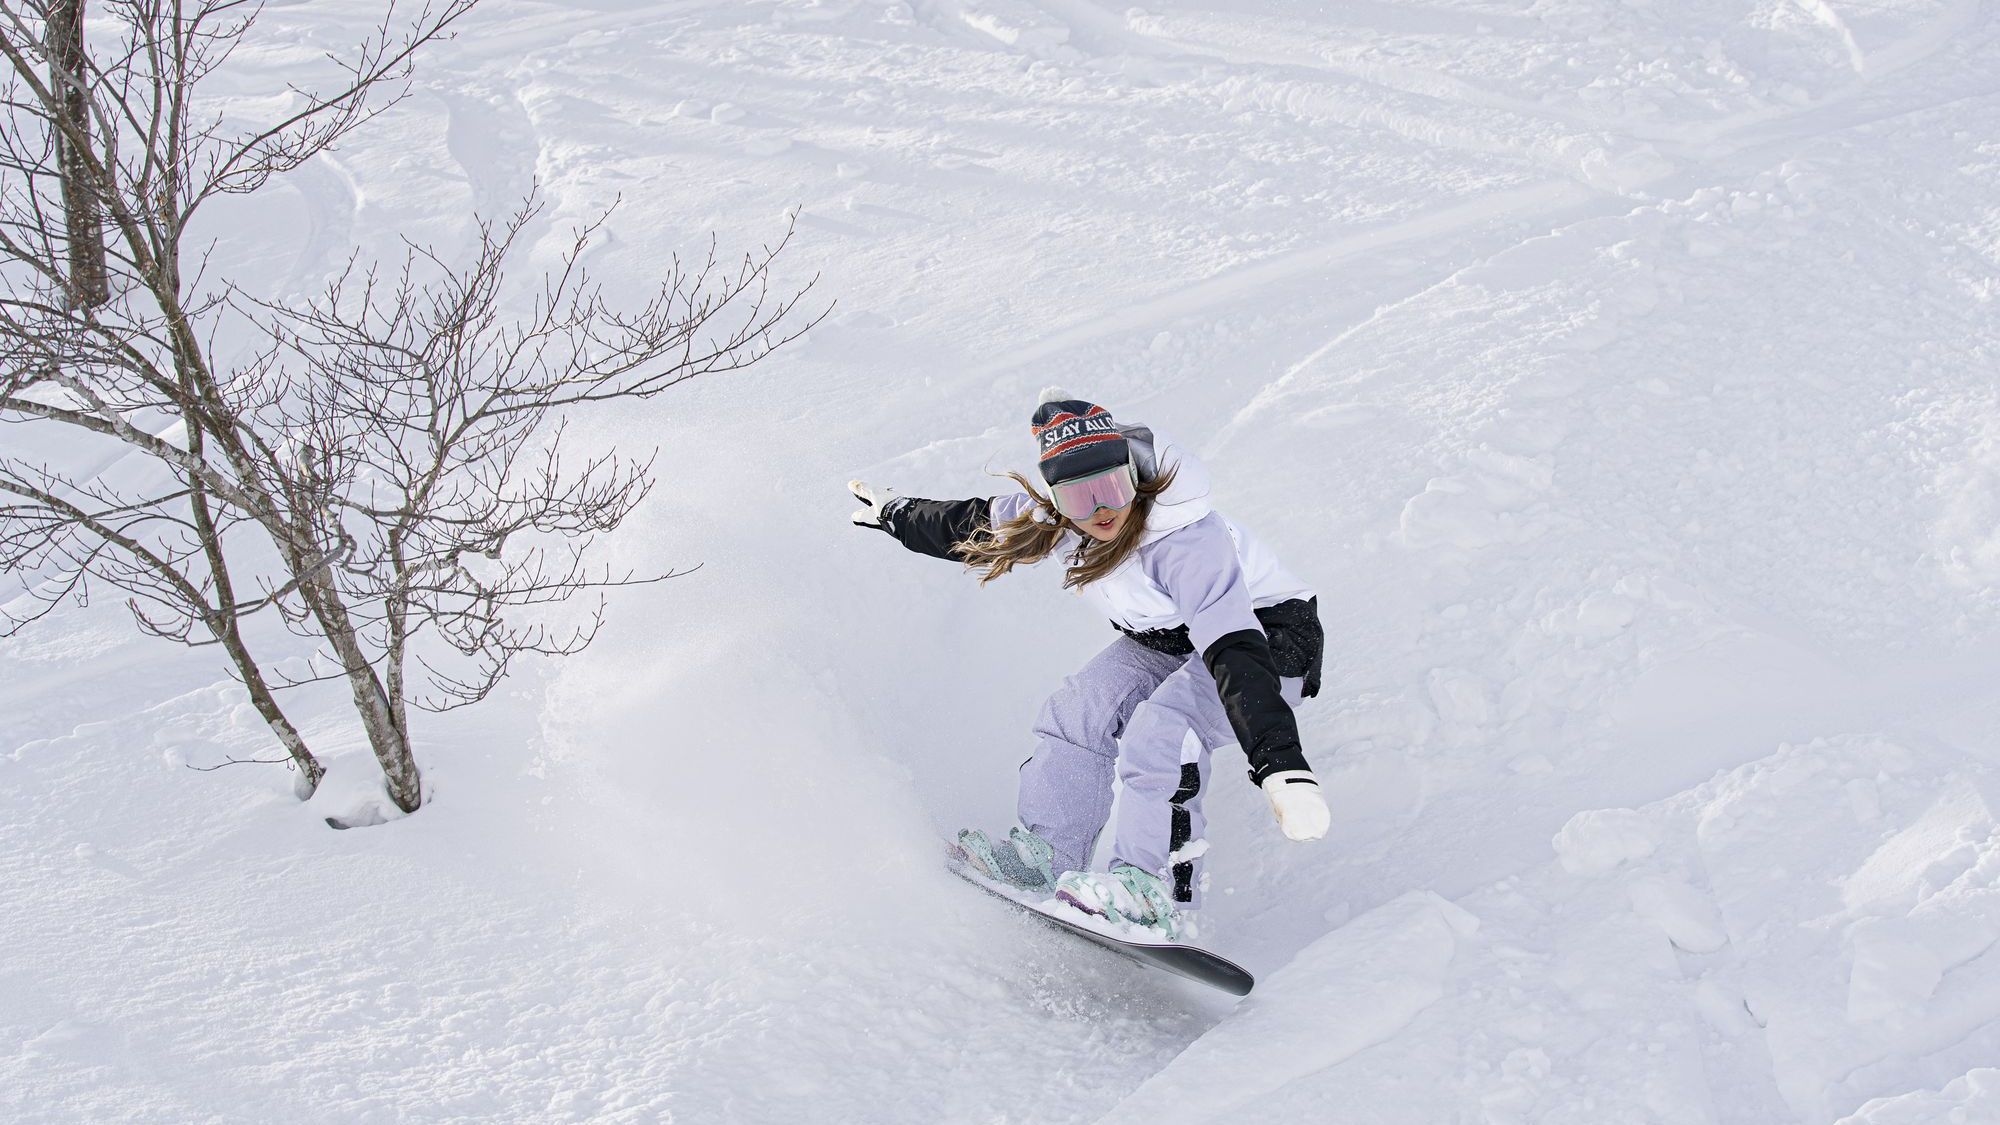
1183 830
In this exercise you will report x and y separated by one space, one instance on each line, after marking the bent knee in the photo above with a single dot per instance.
1164 763
1080 717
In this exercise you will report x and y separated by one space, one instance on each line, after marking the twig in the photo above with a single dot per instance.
285 762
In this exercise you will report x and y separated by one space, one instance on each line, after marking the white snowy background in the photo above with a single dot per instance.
1624 373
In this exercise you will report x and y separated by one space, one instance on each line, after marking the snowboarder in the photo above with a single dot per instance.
1129 515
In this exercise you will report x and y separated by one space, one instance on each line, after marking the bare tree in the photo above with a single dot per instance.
387 471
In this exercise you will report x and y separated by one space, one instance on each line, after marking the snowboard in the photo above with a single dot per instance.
1182 960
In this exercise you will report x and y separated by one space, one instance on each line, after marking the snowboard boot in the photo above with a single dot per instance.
1124 894
1022 862
1038 854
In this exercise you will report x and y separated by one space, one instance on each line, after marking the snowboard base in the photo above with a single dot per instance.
1192 962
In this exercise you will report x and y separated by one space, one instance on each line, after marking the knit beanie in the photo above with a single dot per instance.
1075 439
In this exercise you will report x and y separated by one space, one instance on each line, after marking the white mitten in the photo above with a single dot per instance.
1296 802
876 501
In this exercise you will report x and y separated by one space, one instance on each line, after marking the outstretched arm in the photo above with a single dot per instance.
928 527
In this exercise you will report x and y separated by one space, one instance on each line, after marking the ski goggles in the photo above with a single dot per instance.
1079 499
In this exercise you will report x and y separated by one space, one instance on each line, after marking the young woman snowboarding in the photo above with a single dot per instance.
1218 642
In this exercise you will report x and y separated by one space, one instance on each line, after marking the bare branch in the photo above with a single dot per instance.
390 466
227 762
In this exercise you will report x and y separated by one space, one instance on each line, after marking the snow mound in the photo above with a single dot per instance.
1350 990
1861 881
1014 23
1810 931
1969 1100
1596 842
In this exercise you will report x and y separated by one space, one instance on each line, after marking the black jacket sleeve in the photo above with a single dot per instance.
933 527
1198 568
1246 677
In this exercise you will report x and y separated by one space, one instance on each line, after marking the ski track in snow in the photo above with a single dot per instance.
1622 374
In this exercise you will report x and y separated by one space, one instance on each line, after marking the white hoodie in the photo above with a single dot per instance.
1193 566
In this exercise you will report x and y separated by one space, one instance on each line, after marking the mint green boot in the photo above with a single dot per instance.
1124 894
1022 862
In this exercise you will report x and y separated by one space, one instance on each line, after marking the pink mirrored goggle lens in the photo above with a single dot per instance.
1079 499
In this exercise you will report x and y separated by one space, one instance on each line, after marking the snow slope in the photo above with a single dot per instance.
1623 375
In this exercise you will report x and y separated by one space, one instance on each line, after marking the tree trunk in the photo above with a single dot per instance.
386 737
310 770
88 286
226 628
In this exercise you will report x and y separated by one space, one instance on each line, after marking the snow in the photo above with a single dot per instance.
1378 972
1975 1097
1596 842
1621 374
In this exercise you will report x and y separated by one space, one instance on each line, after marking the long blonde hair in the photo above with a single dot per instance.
1034 534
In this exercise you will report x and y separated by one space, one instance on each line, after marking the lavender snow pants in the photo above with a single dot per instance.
1149 718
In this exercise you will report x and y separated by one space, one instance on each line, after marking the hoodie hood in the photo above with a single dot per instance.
1186 500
